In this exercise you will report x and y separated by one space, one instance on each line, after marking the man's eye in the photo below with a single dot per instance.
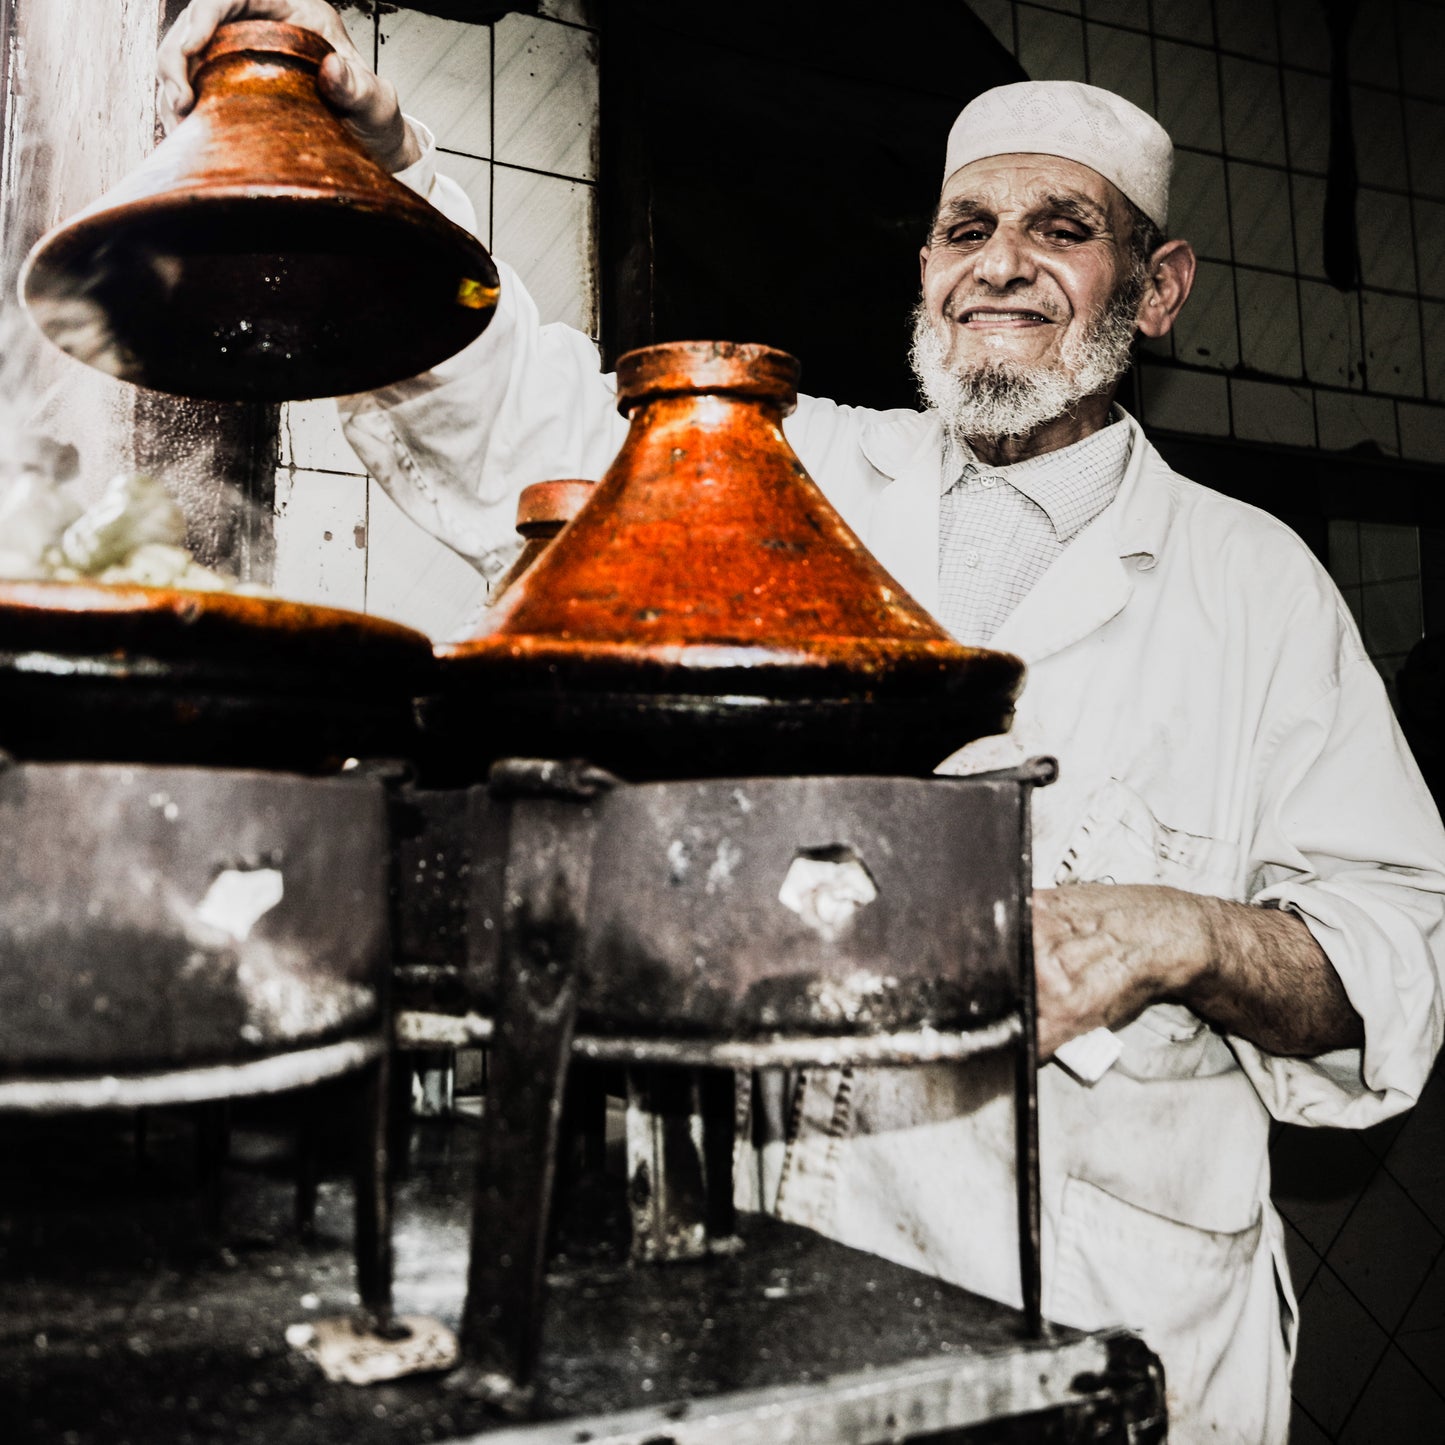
1067 235
962 235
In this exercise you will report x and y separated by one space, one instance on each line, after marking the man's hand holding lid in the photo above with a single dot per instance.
366 104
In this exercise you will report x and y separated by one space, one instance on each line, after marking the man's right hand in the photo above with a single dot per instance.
364 102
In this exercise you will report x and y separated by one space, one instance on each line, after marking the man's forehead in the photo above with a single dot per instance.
1030 180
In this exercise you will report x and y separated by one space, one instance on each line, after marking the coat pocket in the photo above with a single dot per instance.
1120 840
1190 1292
1120 1264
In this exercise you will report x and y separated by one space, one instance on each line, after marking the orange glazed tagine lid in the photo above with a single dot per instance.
708 612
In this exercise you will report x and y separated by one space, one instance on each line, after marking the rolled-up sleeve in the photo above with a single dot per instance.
1349 839
525 402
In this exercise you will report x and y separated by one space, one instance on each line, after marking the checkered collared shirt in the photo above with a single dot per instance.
1001 527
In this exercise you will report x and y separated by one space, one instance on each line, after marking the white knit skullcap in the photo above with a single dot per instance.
1081 123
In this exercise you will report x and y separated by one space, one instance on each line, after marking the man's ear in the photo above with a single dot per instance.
1171 277
923 263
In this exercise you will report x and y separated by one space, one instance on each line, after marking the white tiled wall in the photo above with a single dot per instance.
1377 567
1243 86
1267 350
513 107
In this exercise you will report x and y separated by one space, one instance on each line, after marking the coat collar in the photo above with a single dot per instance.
902 531
1093 580
1089 584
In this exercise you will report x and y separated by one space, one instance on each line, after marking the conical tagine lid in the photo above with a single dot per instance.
259 253
708 611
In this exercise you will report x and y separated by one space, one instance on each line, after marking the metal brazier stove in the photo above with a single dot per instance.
689 933
194 884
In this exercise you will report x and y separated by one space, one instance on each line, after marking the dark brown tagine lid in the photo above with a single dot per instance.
259 253
99 672
709 612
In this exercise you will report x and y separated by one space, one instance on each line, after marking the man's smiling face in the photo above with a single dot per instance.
1034 284
1026 252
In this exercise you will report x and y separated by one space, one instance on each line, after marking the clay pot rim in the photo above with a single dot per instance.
733 368
543 504
889 655
61 601
265 37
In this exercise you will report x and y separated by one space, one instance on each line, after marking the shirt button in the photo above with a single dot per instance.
971 557
989 481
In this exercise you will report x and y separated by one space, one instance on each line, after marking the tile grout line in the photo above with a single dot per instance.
1297 383
1304 1410
1384 1350
1305 172
1229 220
1299 300
1158 106
1386 1330
1393 1343
1410 198
517 166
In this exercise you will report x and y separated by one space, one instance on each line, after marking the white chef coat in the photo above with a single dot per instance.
1219 728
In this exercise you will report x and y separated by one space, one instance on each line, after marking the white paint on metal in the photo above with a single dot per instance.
272 1075
239 898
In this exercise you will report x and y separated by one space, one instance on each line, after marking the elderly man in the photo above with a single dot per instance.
1239 872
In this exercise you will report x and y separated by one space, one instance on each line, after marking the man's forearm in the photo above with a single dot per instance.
1269 981
1105 952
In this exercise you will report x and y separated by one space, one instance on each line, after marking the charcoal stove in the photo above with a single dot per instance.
756 869
560 918
194 868
684 931
680 942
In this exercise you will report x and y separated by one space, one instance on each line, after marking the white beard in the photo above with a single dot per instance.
1001 397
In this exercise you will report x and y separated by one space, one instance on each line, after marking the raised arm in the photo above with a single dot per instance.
524 403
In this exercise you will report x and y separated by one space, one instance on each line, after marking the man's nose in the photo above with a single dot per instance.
1005 258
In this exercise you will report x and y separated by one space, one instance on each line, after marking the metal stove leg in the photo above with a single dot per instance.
373 1201
719 1097
582 1146
398 1110
213 1148
537 990
501 1324
307 1168
666 1176
1026 1106
1026 1089
681 1126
